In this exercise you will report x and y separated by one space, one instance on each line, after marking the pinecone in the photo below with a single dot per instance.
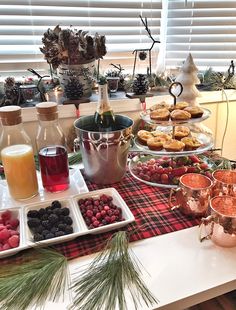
9 82
74 89
140 85
142 55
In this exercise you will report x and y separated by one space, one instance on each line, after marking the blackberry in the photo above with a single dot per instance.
45 232
54 230
56 204
68 229
38 229
49 210
42 211
62 226
33 222
33 214
46 224
38 237
140 85
59 233
49 236
57 211
65 211
68 220
44 217
53 218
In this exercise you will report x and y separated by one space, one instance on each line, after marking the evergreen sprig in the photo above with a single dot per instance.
102 285
42 276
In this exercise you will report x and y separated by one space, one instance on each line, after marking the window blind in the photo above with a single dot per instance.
23 22
207 29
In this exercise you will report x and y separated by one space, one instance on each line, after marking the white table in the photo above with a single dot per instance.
182 271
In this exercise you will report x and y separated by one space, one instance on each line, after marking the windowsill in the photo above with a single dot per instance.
124 104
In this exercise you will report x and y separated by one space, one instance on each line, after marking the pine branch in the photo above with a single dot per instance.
104 282
42 276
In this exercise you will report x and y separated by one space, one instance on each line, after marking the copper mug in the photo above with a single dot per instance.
220 225
192 195
224 183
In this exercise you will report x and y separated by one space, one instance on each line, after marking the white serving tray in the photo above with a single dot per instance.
77 186
69 200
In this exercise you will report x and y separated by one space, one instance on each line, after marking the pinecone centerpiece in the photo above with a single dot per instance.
11 91
74 89
140 85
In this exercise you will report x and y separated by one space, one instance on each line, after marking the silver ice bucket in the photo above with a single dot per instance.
104 154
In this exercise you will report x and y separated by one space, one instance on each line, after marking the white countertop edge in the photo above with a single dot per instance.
169 258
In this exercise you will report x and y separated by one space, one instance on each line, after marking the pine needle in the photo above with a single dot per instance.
113 272
42 276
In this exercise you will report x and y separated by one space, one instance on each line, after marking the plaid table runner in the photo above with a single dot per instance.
149 206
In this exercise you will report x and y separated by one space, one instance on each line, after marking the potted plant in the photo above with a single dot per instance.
73 52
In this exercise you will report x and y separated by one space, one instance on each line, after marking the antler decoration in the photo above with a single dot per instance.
136 51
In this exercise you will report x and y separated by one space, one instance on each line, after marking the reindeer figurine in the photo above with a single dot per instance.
142 52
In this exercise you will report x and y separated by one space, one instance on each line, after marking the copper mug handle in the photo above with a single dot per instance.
204 223
172 191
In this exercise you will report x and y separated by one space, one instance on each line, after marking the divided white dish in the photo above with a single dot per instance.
16 213
69 200
117 200
78 230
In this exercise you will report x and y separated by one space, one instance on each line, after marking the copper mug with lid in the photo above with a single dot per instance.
220 224
224 183
192 195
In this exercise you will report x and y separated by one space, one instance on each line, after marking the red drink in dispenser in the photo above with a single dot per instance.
54 168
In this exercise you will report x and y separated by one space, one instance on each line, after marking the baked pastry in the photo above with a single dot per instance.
156 143
173 145
143 136
181 132
180 115
191 143
160 114
179 106
160 105
194 111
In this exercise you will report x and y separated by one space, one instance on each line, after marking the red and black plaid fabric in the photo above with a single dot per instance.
150 208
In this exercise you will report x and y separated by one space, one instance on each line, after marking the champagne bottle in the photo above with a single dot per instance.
104 117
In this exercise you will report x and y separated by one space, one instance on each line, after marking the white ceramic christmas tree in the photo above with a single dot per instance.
188 78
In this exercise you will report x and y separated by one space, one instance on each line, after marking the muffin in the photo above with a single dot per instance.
160 114
160 105
179 106
143 136
181 132
156 143
194 111
180 115
191 143
173 145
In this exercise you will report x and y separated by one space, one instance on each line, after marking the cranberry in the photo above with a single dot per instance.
116 212
106 208
94 219
81 201
103 213
96 203
95 211
89 213
98 215
110 212
96 223
113 218
108 219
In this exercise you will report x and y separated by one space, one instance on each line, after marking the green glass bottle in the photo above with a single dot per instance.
104 117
